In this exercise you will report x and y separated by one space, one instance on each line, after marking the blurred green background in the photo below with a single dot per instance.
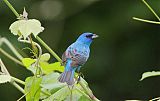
125 49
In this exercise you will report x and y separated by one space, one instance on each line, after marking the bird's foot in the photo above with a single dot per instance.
79 77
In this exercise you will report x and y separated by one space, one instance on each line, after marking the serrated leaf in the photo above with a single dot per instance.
149 74
26 27
15 26
48 68
32 88
45 57
28 61
5 78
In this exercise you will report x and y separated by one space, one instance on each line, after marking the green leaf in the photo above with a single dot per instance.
149 74
45 57
50 82
5 78
44 93
15 26
48 68
60 91
75 96
32 88
28 61
26 27
60 95
83 98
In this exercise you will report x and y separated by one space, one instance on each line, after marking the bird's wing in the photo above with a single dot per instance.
77 53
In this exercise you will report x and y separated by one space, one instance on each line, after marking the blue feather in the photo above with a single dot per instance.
75 56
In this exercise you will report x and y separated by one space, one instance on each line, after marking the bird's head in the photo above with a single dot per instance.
87 38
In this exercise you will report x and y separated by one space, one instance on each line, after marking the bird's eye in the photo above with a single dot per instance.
89 36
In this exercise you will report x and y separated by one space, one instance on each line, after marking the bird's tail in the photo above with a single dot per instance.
68 75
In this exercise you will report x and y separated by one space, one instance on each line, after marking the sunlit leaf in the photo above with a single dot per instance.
28 61
31 26
149 74
45 57
5 78
50 82
48 68
26 27
83 98
60 95
75 96
32 88
15 26
44 93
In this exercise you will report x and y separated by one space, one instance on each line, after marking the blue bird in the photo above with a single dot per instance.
76 56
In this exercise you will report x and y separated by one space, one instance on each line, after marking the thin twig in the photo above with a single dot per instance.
11 7
11 57
143 20
18 87
52 52
11 47
150 8
40 52
48 48
18 80
3 67
22 97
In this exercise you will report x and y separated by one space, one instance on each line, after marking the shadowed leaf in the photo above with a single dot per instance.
149 74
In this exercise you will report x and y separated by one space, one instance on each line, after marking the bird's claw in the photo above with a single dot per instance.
79 77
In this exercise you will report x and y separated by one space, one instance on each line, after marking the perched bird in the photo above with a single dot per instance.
76 56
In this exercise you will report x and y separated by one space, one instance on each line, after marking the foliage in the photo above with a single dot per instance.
43 85
26 27
153 73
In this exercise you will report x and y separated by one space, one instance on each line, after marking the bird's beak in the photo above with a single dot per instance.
94 36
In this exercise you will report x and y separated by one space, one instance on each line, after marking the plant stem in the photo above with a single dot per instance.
11 47
87 89
40 52
18 87
89 92
18 80
11 7
3 67
83 93
48 48
149 7
148 21
10 57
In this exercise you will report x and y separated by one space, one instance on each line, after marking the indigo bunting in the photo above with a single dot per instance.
76 56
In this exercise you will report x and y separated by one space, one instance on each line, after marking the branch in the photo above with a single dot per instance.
11 7
11 47
143 20
10 57
39 48
149 7
48 48
3 67
89 92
